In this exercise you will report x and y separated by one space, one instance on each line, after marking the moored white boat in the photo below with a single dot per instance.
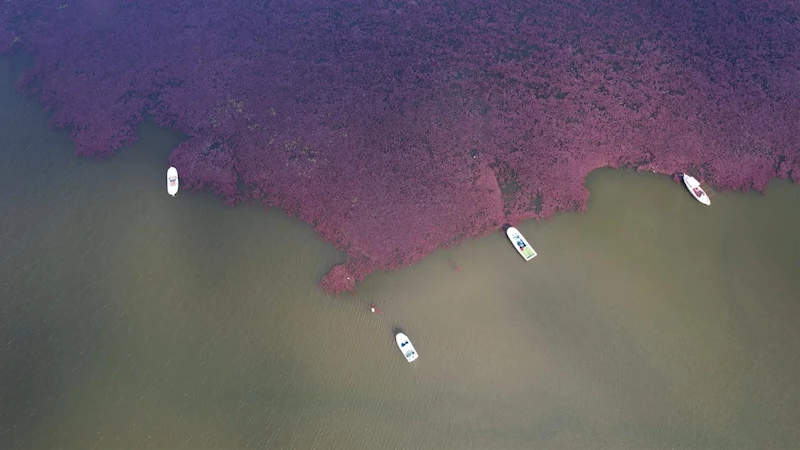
520 243
697 192
172 181
406 347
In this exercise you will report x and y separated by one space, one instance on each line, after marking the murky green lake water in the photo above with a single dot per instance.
129 319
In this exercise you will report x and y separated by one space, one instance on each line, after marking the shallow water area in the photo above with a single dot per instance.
132 319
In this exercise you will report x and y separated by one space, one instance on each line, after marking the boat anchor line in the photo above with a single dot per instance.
703 185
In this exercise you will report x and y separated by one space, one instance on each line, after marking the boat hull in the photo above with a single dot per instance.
694 188
521 244
406 347
172 181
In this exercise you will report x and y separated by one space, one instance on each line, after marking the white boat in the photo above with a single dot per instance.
406 347
520 243
172 181
694 187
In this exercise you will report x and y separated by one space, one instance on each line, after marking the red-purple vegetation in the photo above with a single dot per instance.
399 126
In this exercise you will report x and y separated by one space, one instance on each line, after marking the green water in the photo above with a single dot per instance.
133 320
